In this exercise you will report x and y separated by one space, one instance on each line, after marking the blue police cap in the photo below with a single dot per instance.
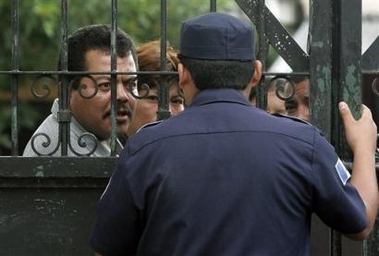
217 36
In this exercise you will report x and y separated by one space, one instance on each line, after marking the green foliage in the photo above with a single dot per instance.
26 119
40 25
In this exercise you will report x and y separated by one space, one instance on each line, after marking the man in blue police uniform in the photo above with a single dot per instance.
226 178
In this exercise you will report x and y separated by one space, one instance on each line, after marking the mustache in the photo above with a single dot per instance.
122 109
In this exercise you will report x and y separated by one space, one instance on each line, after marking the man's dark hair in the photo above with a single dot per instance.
217 74
93 37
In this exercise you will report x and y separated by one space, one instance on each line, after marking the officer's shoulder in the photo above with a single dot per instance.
293 118
150 125
299 120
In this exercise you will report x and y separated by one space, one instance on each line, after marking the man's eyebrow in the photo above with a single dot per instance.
107 77
130 78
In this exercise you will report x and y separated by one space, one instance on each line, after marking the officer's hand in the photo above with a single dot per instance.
361 133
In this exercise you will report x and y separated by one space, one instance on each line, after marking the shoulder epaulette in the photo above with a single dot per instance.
292 118
296 119
150 124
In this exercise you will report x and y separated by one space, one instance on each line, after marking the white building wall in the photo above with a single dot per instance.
370 26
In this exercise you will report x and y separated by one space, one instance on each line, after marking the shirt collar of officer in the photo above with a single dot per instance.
219 95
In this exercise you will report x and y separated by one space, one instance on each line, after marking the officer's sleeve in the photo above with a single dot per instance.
336 201
116 230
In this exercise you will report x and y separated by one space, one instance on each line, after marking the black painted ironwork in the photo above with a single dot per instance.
47 203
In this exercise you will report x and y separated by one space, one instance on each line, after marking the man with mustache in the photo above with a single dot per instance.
89 49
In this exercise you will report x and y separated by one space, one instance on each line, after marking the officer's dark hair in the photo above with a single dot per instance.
217 74
93 37
252 93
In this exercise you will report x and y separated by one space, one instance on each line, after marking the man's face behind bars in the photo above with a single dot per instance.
91 108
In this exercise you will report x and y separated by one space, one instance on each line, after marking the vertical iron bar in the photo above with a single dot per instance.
213 5
113 76
347 77
321 64
336 243
163 89
346 73
351 53
261 95
163 35
15 76
320 53
63 113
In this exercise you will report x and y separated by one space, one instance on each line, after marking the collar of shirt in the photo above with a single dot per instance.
219 95
77 131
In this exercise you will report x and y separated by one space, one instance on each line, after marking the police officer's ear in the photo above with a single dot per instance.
184 76
249 91
186 83
257 72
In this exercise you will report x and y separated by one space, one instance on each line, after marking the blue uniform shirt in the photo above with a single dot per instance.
224 178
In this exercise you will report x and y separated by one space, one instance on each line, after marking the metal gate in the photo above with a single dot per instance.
47 204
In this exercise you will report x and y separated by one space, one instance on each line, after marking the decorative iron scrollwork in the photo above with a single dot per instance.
285 90
41 86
